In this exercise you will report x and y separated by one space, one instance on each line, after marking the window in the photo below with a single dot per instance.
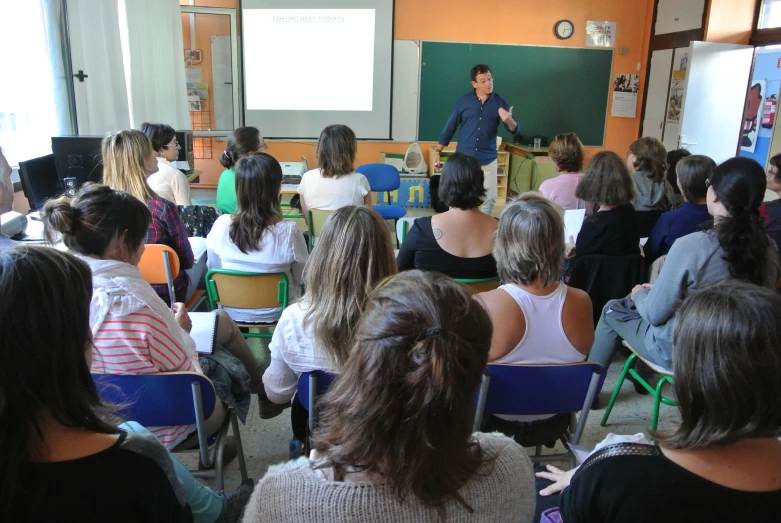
34 104
769 14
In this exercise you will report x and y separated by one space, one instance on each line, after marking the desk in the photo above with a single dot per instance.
529 167
194 175
523 150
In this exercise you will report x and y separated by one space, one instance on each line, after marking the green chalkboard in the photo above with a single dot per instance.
553 89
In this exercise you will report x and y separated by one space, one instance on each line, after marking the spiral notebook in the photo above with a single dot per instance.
203 331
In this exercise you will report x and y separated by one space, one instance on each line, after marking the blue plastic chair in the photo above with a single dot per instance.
541 389
311 385
157 400
384 178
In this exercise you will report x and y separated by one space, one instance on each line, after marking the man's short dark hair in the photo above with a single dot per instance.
479 69
461 184
692 172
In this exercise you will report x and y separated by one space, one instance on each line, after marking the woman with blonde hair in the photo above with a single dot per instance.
567 155
352 255
128 160
334 183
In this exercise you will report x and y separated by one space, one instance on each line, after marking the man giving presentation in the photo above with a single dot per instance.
479 112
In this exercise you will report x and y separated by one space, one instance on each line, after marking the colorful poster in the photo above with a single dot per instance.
755 101
625 89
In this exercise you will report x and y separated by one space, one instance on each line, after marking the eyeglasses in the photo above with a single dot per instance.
707 182
175 144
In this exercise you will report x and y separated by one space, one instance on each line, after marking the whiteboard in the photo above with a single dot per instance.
406 83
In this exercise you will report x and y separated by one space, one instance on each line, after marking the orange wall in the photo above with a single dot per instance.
507 22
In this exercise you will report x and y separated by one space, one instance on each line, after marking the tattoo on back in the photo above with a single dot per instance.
437 233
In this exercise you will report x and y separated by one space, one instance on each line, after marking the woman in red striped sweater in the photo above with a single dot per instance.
134 331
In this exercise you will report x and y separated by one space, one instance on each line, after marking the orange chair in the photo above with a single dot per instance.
159 265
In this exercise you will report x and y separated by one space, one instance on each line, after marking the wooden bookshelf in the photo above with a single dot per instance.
502 170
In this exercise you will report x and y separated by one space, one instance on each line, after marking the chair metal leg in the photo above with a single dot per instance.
627 366
239 447
200 425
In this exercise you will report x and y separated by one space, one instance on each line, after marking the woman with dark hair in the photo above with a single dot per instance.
692 173
612 231
647 161
168 182
334 183
394 441
128 160
457 242
673 157
59 444
256 238
720 462
773 207
737 248
244 141
567 155
353 255
134 331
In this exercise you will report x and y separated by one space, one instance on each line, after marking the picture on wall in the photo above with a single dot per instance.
751 113
675 102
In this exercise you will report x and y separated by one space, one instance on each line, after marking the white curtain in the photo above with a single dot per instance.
101 99
153 55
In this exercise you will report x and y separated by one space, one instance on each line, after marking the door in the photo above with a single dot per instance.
656 99
714 97
222 76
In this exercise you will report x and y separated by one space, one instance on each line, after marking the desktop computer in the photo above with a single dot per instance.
39 180
185 139
78 160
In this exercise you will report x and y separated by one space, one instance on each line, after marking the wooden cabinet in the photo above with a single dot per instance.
502 170
673 16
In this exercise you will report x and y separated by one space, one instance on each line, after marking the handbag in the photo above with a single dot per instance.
198 219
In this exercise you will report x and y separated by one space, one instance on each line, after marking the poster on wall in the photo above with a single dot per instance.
600 34
677 85
755 101
625 89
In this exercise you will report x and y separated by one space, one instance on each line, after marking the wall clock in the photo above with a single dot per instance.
564 29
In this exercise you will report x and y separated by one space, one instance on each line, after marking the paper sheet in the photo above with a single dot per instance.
573 221
204 325
198 246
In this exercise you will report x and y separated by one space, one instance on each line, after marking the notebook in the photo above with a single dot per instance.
573 221
203 331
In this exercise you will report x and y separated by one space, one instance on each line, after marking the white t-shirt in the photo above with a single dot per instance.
282 249
292 352
330 194
170 183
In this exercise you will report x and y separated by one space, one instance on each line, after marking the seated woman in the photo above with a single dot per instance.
567 155
256 238
395 441
612 231
693 171
128 159
653 194
537 319
457 242
59 445
737 248
720 462
773 208
168 182
134 331
673 157
334 183
353 255
244 141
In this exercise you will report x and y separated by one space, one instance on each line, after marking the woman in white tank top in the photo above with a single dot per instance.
537 319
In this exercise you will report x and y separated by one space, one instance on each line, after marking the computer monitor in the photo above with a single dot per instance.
39 180
185 139
78 160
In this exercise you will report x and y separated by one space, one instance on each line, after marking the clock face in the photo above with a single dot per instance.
564 29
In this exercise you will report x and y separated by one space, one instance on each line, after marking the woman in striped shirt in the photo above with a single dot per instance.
134 331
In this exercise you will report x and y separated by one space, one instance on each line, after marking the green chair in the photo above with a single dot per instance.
247 290
656 392
315 220
478 285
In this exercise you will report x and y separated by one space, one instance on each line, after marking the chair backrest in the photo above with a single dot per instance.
152 264
246 290
315 221
311 385
382 177
539 389
478 285
156 400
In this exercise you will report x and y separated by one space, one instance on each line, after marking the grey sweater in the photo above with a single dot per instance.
651 196
694 261
502 491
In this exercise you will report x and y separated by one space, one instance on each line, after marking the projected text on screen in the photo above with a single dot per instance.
327 63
